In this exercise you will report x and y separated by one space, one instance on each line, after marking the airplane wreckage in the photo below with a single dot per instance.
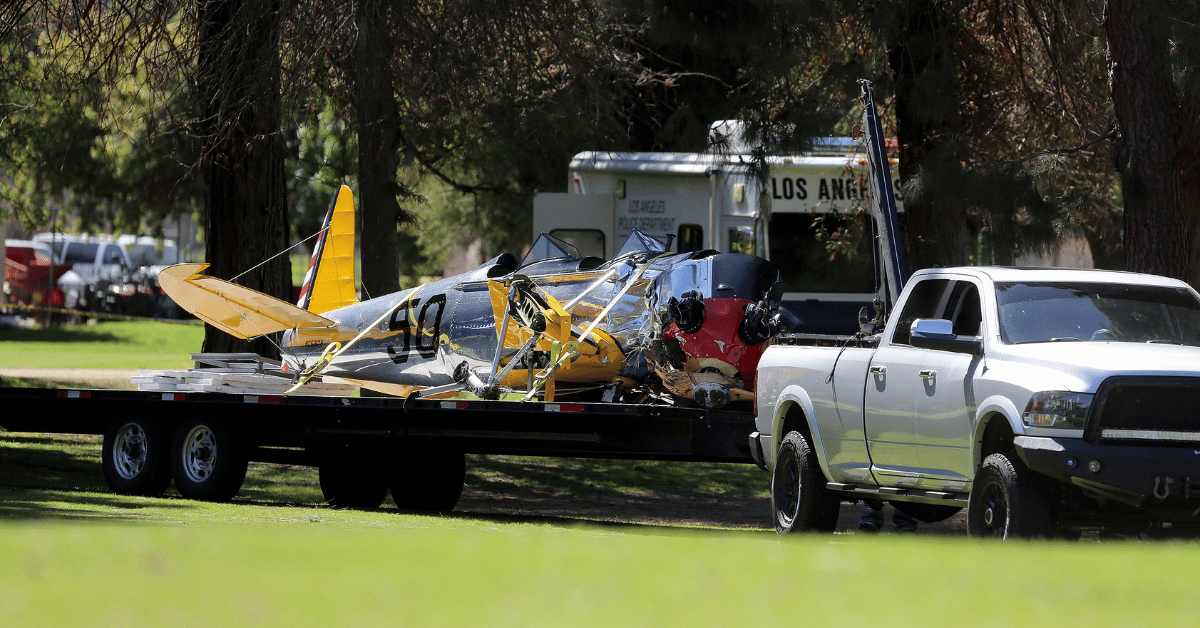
648 326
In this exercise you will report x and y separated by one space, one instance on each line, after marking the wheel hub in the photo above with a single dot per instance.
995 515
129 451
200 454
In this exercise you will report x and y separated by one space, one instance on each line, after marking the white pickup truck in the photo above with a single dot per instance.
1047 402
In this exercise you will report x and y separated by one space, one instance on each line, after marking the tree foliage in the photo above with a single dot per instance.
83 139
1004 110
997 106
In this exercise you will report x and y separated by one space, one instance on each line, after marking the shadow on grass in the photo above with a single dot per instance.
57 334
34 504
58 477
13 382
61 462
583 476
562 521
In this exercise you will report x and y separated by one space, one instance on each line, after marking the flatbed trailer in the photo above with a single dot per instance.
362 446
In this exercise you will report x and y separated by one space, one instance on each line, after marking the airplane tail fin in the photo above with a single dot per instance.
329 282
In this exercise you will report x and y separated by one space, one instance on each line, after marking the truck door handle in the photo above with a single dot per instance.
879 370
928 374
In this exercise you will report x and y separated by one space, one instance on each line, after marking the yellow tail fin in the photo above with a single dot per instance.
329 282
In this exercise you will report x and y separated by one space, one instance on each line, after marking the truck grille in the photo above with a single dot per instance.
1146 410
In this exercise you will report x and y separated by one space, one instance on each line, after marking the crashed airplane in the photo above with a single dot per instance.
647 326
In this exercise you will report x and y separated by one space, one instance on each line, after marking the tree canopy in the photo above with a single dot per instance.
1018 122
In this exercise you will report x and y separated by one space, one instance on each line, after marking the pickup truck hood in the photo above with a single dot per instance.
1083 365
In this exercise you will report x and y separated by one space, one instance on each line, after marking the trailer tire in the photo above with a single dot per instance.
208 462
799 500
352 478
428 480
135 459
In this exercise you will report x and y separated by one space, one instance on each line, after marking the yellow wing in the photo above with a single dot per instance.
235 310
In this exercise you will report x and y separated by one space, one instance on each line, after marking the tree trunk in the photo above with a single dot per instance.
1147 151
238 85
378 119
935 234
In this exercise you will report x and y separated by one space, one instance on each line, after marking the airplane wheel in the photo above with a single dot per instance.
209 464
135 459
352 478
428 480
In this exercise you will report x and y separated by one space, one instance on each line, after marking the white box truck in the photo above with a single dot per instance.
712 201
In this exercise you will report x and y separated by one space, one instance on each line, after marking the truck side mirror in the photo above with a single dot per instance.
938 333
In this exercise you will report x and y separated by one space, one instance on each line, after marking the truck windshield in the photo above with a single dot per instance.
150 254
81 252
1101 312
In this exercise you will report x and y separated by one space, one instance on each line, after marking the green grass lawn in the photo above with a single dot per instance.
112 345
74 554
253 565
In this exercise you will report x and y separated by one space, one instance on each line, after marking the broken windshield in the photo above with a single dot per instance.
638 242
548 247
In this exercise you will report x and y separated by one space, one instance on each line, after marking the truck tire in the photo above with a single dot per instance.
135 458
352 478
799 499
428 480
209 464
1007 501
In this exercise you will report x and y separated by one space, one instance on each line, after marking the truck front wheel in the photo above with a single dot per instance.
799 499
1007 501
209 464
135 458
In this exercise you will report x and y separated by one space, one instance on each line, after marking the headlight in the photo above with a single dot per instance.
1060 409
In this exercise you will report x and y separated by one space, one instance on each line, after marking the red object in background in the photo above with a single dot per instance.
717 338
28 276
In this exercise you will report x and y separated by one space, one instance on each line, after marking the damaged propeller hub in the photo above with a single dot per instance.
760 324
687 313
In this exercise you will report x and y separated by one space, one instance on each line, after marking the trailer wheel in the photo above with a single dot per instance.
799 499
1007 501
352 478
134 458
428 480
208 463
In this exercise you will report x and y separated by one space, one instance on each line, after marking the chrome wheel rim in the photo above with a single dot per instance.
129 451
199 453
